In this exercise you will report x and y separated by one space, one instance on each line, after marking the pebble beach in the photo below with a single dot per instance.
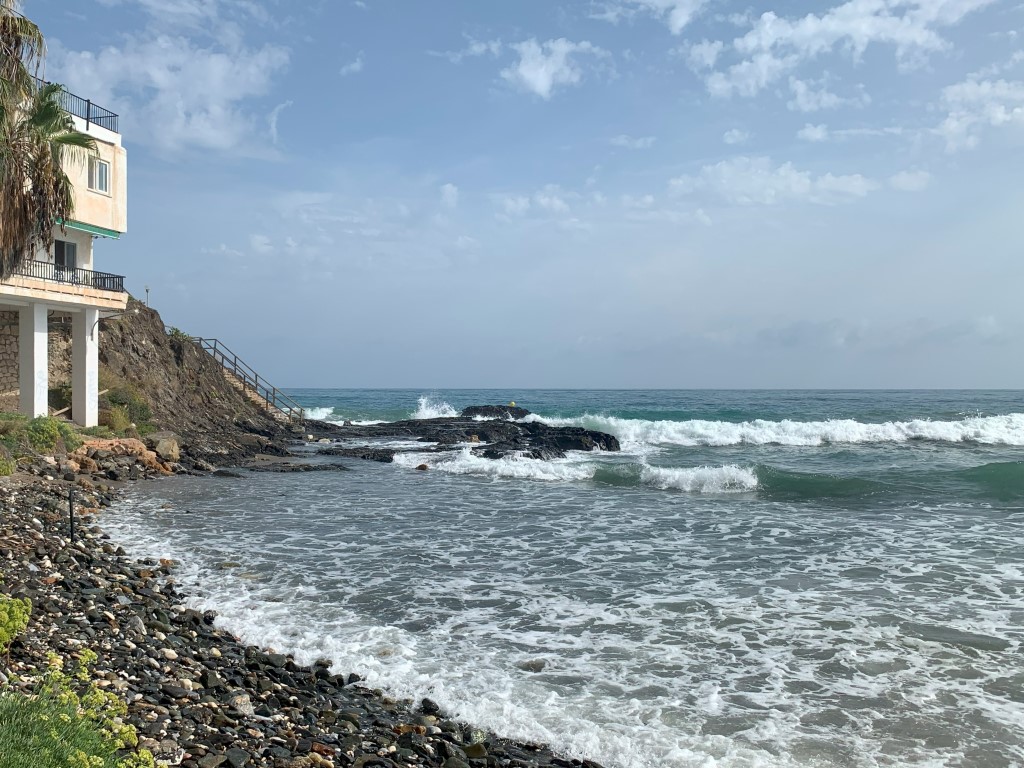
197 696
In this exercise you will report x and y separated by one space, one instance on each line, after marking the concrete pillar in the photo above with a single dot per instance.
85 367
33 360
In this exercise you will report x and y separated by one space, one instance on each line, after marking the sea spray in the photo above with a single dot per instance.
428 408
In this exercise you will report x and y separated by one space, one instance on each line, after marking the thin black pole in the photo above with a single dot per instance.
71 511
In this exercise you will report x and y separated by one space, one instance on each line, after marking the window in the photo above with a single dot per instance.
65 254
99 175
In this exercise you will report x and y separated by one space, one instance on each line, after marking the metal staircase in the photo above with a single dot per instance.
243 377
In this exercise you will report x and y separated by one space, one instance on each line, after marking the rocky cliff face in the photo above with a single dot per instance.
185 389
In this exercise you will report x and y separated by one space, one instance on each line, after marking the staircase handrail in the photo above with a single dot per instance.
249 378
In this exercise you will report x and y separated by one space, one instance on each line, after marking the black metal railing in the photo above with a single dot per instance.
85 109
274 399
45 270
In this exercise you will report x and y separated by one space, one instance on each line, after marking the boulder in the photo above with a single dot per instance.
166 445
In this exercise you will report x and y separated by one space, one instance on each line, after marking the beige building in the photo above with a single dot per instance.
63 284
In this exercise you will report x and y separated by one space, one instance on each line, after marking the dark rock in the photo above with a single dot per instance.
503 438
283 468
383 455
237 758
430 707
494 412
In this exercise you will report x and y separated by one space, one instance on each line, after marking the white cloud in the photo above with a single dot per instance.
542 67
757 181
807 98
275 113
515 205
974 105
353 67
551 199
473 50
196 14
677 14
775 45
260 243
628 142
642 202
174 93
450 196
910 181
816 133
736 136
749 77
703 55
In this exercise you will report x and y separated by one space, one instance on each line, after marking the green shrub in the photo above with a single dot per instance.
7 466
70 722
116 419
178 335
14 614
45 732
135 406
45 433
100 431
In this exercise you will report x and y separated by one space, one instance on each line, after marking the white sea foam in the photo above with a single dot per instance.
433 409
727 479
578 468
318 414
987 430
626 628
465 462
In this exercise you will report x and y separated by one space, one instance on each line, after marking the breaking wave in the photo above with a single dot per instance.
987 430
319 414
427 408
726 479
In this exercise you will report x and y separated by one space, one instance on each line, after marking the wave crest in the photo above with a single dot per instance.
986 430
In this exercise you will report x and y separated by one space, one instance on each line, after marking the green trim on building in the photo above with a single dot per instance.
92 229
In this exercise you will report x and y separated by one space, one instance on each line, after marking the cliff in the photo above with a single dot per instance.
185 389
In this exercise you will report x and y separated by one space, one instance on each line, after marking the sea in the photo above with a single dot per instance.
759 578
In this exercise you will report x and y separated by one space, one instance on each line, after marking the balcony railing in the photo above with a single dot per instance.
85 109
44 270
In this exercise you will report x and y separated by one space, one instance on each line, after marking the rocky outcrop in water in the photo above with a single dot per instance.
498 437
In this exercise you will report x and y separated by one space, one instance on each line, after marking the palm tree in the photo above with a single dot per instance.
37 138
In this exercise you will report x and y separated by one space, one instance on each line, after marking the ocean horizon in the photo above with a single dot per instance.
758 578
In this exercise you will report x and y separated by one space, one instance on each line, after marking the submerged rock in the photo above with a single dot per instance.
383 455
284 468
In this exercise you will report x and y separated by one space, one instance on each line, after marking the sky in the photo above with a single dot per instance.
571 193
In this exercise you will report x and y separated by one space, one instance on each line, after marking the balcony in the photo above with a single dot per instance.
100 281
85 109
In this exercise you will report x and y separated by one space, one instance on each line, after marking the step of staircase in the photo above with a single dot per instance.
244 378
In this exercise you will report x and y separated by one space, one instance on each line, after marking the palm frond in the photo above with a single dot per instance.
37 138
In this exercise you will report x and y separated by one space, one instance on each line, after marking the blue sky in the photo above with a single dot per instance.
631 193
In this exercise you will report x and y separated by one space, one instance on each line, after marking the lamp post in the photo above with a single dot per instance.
147 296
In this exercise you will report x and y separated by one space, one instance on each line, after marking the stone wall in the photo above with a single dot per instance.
60 357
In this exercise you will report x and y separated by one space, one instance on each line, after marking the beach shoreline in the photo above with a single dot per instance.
198 696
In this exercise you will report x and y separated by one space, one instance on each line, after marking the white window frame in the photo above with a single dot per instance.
95 178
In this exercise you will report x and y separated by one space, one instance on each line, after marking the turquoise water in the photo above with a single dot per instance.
758 578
